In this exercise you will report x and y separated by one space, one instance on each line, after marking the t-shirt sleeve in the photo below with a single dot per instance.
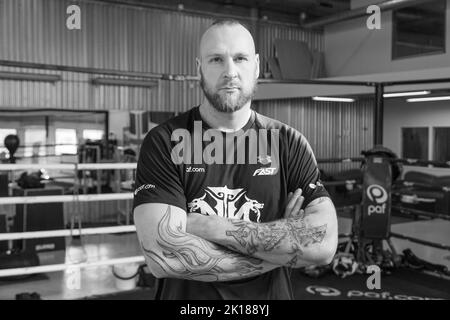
303 170
157 178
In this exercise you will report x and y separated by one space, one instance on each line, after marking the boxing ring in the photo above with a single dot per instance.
384 232
74 232
129 230
394 236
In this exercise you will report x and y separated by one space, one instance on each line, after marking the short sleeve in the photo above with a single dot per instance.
303 170
157 179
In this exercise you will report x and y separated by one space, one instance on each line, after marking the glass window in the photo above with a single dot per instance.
92 134
3 134
35 140
419 29
441 144
415 143
66 141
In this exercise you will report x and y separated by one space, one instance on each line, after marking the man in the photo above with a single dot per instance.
227 229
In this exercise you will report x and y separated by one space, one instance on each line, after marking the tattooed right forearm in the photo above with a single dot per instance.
187 256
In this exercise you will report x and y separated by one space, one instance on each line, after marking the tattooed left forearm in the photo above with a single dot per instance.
306 239
288 236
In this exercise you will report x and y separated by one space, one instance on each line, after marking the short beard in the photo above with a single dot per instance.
226 105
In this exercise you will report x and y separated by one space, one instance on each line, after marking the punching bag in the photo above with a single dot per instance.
376 198
12 143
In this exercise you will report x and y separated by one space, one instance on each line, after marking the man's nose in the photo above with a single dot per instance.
230 69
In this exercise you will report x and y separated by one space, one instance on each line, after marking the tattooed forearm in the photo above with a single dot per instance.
292 234
306 239
189 257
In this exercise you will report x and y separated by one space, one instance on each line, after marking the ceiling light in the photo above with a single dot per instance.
333 99
406 94
428 99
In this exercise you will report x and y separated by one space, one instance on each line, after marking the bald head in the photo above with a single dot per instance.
228 34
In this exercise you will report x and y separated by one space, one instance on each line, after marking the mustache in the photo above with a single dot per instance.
227 84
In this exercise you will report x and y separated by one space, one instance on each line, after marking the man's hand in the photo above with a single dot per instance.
294 204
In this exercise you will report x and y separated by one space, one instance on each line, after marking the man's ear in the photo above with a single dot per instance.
257 66
197 61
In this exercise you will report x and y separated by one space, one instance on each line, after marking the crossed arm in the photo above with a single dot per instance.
171 252
301 238
226 249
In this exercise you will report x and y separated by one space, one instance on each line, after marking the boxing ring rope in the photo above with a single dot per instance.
69 166
34 166
410 162
338 183
424 163
416 212
423 185
65 266
67 198
342 160
65 233
420 241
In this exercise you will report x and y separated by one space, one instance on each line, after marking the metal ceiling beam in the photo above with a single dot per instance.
119 73
124 82
26 76
324 82
360 12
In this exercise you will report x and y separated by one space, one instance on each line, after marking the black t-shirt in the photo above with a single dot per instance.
250 190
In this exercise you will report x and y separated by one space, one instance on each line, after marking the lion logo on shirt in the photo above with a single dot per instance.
228 203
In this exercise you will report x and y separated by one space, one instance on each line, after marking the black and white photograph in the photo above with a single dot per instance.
225 155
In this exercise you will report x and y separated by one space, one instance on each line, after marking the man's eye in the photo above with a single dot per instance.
216 59
241 59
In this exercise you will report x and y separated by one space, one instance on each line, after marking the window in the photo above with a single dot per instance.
441 144
419 29
92 134
3 134
66 141
35 140
415 143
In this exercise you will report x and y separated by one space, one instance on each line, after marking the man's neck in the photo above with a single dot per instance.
225 121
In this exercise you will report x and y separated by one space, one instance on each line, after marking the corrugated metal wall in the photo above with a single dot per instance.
148 40
112 37
334 130
268 33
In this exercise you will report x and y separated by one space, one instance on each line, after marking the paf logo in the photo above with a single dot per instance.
323 291
377 194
